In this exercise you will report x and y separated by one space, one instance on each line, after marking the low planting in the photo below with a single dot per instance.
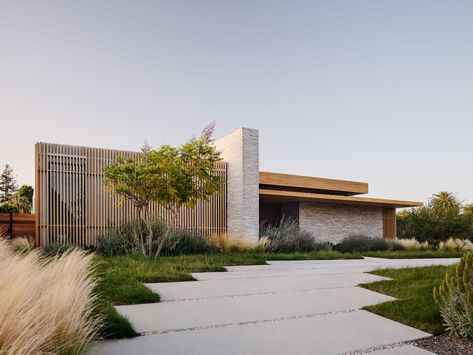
287 237
412 288
126 240
361 243
454 297
48 305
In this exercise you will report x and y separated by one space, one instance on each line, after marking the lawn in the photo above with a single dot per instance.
122 277
412 287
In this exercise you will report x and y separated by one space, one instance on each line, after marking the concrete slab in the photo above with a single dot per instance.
159 317
402 350
173 291
317 267
324 335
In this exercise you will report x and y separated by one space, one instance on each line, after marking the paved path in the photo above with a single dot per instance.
285 307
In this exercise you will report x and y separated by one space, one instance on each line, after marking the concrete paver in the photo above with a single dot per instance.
158 317
188 290
323 335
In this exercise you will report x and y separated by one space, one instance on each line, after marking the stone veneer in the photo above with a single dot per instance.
333 222
240 149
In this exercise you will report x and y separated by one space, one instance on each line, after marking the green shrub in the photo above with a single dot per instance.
454 297
183 242
126 240
8 207
360 243
287 237
120 241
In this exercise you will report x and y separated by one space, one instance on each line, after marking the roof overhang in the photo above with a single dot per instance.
311 184
280 196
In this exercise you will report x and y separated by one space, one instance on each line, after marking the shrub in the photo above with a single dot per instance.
126 240
454 296
8 207
412 244
182 242
362 243
453 244
47 305
120 241
287 237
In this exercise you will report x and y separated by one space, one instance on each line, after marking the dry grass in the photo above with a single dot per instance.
227 244
413 244
453 244
46 305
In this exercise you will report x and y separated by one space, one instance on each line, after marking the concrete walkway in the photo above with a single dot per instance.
285 307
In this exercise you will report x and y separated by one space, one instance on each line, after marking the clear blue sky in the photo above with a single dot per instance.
377 91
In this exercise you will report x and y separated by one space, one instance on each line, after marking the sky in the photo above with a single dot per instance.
374 90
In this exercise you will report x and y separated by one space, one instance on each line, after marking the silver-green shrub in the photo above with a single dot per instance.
287 237
454 296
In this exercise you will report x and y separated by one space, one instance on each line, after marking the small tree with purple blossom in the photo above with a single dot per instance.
169 176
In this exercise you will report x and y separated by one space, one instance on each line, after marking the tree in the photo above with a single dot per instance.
8 184
443 217
169 176
8 207
23 198
444 201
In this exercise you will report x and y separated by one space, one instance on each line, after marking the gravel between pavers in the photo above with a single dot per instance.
446 345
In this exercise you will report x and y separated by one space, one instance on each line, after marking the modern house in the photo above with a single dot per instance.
73 206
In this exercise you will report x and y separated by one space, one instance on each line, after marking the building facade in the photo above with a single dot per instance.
73 206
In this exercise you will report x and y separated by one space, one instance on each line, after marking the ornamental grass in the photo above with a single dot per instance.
47 305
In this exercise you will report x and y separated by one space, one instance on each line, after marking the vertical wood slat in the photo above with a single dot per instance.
73 206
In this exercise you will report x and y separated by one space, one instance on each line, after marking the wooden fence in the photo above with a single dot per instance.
18 225
73 205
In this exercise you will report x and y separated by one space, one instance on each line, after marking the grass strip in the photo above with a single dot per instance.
412 287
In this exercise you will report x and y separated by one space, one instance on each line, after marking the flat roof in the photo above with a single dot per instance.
345 187
275 196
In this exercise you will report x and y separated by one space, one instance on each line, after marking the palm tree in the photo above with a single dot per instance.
445 201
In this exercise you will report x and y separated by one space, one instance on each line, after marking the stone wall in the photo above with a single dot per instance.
240 149
333 222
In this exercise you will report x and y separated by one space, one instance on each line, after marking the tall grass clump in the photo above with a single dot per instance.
287 237
413 244
223 243
453 244
454 297
361 243
47 305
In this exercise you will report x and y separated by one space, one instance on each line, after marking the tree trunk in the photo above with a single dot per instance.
140 228
168 232
150 233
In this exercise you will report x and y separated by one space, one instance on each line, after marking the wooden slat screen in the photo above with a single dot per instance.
73 206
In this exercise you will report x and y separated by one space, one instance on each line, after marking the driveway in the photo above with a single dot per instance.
285 307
